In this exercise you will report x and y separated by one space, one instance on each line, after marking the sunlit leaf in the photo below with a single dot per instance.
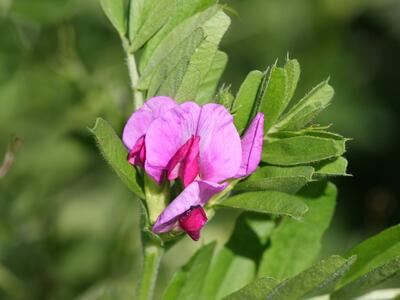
157 13
268 202
294 245
255 290
167 46
307 108
373 252
368 281
115 154
225 97
115 11
236 263
283 179
319 277
292 68
187 283
184 10
167 77
201 61
244 101
332 167
210 82
275 97
301 150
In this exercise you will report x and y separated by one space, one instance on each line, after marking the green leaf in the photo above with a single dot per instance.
268 202
275 97
292 68
314 131
288 185
244 101
201 61
368 281
184 10
168 44
225 97
210 82
236 263
374 252
187 283
170 82
331 167
311 281
301 150
115 12
167 77
275 171
294 245
255 290
115 154
138 10
228 273
307 108
157 13
288 180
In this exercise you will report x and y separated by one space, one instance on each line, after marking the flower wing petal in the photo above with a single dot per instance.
140 121
220 147
252 144
167 134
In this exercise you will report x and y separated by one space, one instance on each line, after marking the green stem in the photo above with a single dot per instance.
134 76
157 196
151 262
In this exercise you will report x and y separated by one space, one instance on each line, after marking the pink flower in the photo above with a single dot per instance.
197 144
192 221
139 122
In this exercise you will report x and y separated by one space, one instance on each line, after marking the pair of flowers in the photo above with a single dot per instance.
198 145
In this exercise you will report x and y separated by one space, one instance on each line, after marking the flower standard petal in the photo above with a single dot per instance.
220 146
252 144
196 194
167 135
140 121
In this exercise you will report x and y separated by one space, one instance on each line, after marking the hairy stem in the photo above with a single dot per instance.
151 262
134 76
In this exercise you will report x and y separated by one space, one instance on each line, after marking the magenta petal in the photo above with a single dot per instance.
252 144
174 165
195 235
196 194
140 120
220 151
167 135
190 168
220 147
192 221
185 162
137 155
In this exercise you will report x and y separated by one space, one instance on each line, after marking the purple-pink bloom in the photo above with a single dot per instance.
192 220
201 141
197 144
196 194
139 122
252 144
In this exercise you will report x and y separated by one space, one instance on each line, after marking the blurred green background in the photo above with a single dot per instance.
67 225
